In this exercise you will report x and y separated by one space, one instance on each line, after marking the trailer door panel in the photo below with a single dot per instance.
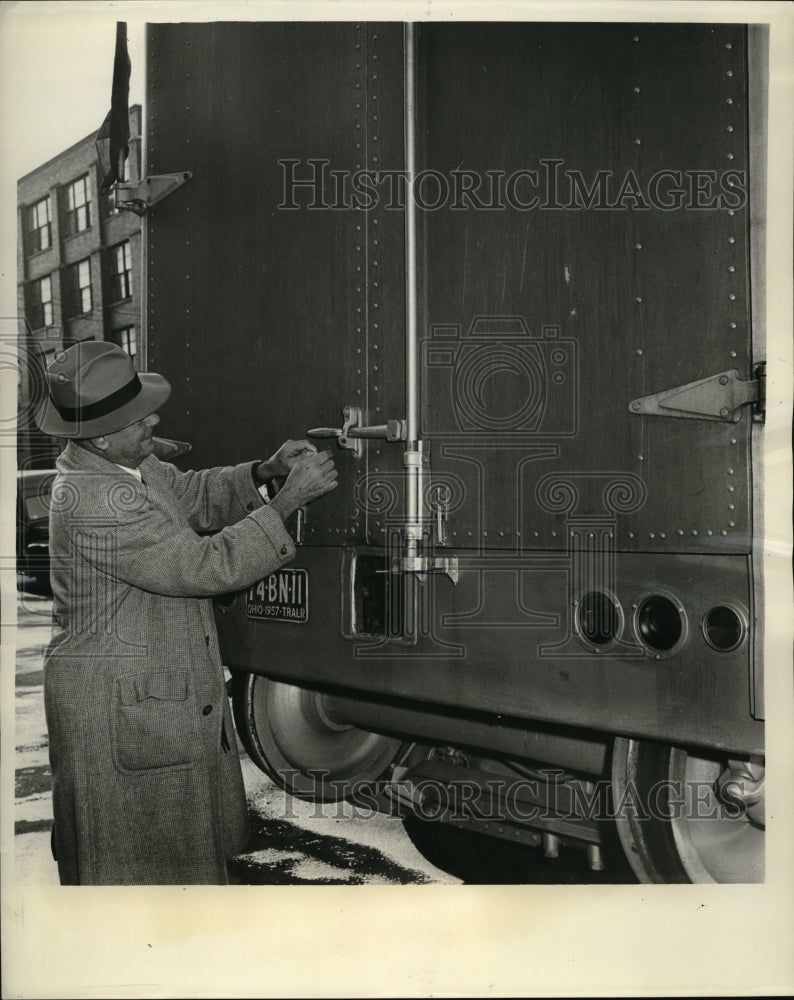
290 293
584 236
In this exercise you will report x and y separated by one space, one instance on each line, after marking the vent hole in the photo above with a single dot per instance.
723 628
598 618
659 623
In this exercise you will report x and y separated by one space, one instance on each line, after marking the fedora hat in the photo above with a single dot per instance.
94 389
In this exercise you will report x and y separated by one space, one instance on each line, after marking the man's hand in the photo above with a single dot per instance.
312 475
283 460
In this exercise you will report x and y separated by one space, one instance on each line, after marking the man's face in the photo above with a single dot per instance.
132 444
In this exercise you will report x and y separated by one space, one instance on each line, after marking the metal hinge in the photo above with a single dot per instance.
138 198
718 397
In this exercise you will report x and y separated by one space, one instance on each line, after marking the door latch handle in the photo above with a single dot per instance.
351 433
438 497
300 524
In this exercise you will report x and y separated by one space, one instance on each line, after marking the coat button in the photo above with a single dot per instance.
206 710
284 550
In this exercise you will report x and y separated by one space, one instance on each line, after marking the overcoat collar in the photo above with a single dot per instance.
75 458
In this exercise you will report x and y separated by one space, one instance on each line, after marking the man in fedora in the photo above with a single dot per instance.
147 786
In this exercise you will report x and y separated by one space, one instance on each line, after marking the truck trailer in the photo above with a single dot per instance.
510 273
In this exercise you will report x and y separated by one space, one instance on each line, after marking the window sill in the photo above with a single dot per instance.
73 236
39 253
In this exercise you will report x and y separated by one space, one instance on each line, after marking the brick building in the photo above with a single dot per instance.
78 271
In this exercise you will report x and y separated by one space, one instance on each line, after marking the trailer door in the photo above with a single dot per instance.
288 313
584 249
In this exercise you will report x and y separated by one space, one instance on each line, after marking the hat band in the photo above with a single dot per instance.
102 407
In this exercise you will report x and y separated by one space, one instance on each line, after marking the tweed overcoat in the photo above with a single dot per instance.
147 786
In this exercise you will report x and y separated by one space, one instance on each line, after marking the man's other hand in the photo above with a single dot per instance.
279 464
312 475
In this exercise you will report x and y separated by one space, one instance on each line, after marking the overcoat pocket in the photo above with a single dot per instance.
154 721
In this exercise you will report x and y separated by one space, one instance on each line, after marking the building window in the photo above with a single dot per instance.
121 275
78 207
79 288
125 338
41 303
39 226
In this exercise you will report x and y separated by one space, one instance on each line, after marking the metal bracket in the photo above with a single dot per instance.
427 564
351 433
718 397
138 198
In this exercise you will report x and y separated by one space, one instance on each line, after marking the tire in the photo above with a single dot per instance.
287 734
675 823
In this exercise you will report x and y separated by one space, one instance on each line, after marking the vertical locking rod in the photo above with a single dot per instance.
411 408
413 458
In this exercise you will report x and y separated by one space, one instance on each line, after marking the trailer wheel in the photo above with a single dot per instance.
288 736
682 817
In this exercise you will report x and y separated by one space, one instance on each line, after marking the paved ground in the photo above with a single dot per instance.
294 842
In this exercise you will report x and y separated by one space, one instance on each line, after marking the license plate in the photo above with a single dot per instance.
283 596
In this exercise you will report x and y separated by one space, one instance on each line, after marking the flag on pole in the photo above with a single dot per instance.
112 140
